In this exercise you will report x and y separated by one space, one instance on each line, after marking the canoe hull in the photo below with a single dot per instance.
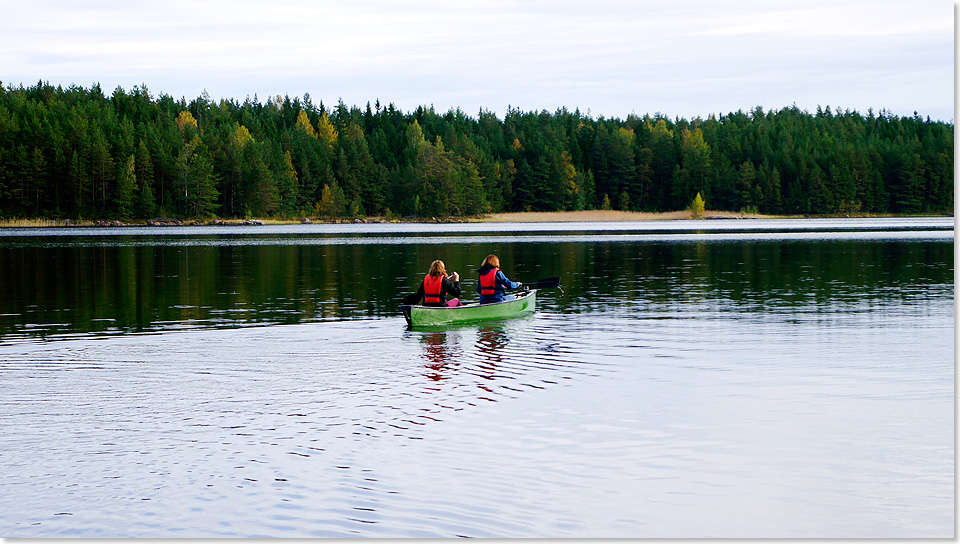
427 316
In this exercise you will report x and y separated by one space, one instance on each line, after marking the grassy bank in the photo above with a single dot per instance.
514 217
510 217
605 215
52 223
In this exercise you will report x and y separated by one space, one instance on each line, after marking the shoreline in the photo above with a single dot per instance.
583 216
591 216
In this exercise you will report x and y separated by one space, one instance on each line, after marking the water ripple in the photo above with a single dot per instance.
609 423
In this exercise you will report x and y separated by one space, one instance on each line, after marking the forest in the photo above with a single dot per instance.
78 153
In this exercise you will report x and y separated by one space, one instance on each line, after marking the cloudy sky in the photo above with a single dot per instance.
682 58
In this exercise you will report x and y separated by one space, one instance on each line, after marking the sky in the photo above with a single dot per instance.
609 58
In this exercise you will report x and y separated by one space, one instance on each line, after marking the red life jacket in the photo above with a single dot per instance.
488 282
431 289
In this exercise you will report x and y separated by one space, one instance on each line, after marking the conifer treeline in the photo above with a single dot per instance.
77 153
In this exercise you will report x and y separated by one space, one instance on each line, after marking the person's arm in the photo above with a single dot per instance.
420 291
452 288
503 279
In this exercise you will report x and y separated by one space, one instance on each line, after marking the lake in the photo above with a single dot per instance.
690 379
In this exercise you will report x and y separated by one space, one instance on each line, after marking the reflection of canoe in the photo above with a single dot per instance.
428 315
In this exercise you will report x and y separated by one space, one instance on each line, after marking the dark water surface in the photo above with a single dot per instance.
725 379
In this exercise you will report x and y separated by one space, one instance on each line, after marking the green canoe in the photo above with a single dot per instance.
425 316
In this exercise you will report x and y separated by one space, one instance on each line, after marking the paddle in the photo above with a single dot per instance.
546 283
411 299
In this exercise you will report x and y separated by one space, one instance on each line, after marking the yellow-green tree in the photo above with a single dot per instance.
332 201
569 191
698 207
186 122
327 133
303 123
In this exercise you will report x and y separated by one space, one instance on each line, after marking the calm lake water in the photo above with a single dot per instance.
690 379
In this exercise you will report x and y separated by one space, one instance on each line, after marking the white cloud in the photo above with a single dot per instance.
837 19
684 58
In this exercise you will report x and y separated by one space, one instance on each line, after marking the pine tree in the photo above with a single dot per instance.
287 185
743 196
331 202
696 165
67 152
196 181
126 187
908 194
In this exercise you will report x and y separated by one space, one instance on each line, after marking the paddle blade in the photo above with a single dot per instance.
411 299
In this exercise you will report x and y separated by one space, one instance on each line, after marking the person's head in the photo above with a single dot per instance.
491 260
437 269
